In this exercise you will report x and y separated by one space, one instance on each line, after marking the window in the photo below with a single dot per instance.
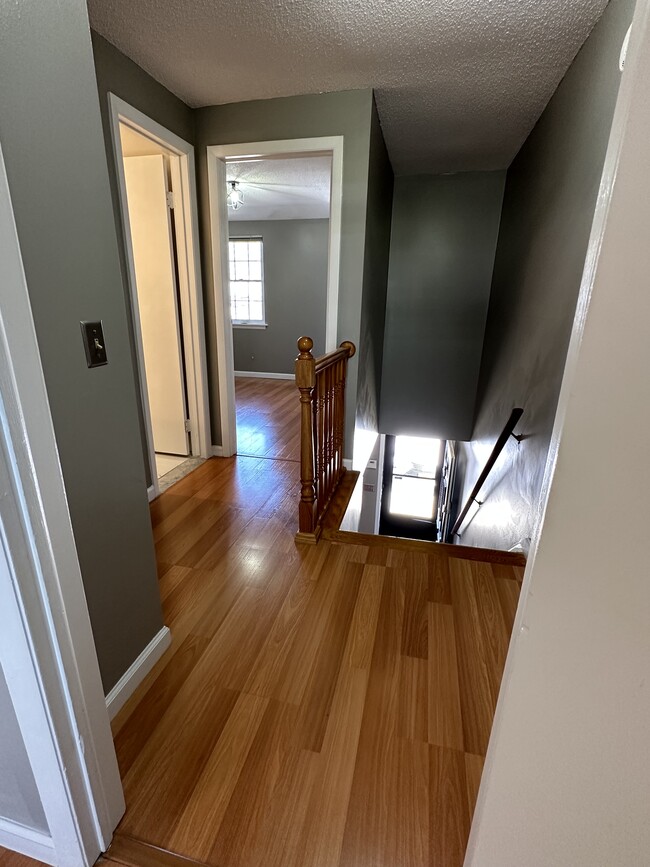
246 282
415 468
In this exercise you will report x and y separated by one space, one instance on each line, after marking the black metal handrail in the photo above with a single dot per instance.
504 436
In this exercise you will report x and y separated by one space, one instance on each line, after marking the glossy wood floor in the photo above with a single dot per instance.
268 418
320 705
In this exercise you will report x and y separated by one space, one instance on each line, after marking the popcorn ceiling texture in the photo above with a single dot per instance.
459 83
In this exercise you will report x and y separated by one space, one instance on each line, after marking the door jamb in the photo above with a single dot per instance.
189 274
218 156
47 649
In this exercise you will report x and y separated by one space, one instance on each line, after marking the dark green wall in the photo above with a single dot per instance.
375 286
295 293
325 114
51 135
442 251
550 196
118 74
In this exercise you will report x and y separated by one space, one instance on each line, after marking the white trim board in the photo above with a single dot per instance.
27 841
218 156
137 671
189 272
256 374
217 451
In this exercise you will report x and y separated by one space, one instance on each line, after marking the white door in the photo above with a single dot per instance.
149 216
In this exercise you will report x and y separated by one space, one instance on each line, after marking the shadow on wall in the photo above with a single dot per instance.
551 193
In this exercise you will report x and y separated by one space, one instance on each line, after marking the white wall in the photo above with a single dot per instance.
567 778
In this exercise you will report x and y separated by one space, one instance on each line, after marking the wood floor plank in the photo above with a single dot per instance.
413 701
476 700
415 625
509 598
269 803
205 809
319 691
449 811
473 773
131 740
363 629
445 723
322 841
15 859
134 853
439 580
492 623
369 819
162 778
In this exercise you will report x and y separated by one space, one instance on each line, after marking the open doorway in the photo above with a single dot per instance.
155 170
276 237
278 251
413 471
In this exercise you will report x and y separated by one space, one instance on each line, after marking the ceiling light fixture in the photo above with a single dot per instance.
235 197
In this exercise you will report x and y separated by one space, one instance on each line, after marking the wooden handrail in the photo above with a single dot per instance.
321 383
504 436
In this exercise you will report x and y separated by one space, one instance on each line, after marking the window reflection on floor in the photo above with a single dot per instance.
415 464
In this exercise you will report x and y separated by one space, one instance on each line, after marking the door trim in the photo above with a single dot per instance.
217 156
189 274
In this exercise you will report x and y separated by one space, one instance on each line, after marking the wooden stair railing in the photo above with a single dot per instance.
321 382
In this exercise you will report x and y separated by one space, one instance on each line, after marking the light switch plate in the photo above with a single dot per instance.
94 343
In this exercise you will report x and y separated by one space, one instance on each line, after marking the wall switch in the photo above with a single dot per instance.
94 344
372 464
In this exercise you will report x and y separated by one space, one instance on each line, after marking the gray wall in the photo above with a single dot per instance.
51 134
549 203
375 279
117 74
19 798
295 292
442 251
324 114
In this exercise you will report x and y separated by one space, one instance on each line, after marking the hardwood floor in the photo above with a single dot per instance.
319 705
13 859
268 418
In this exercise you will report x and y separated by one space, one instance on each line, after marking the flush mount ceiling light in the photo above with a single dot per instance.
235 197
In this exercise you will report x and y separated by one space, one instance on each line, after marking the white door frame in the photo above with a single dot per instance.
47 649
189 274
218 156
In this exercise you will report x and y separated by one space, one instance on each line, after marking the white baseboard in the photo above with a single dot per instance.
151 492
257 375
27 841
137 671
217 451
347 463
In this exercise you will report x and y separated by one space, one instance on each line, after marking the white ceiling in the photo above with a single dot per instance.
459 83
296 188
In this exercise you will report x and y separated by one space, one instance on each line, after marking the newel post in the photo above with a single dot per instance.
306 380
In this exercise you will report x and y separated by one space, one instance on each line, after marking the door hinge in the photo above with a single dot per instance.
170 199
188 425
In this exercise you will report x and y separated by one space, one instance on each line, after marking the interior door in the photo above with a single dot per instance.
149 216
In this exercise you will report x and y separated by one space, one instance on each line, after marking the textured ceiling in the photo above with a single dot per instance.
459 83
297 188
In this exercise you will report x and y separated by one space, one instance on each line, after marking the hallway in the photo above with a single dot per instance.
319 705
